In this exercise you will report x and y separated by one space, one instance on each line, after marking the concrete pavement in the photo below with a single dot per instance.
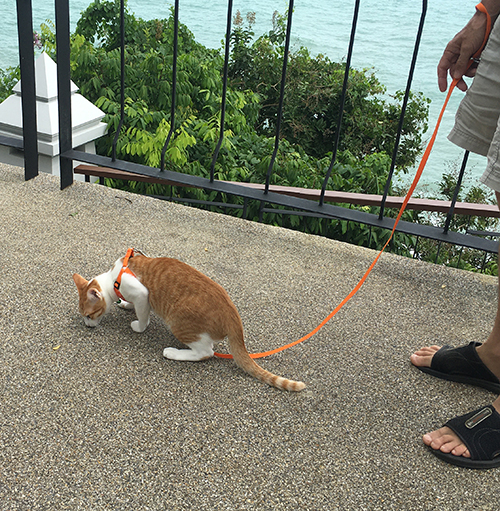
94 419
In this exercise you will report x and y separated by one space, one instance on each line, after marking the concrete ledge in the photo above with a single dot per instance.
97 419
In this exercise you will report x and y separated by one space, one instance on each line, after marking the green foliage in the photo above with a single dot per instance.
100 24
8 79
47 38
313 97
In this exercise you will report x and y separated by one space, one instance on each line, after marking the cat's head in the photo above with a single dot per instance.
92 304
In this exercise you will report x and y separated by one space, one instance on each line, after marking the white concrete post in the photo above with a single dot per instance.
86 120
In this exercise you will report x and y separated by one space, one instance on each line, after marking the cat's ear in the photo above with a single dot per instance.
80 282
93 295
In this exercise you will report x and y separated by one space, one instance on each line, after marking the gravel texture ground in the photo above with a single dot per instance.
94 419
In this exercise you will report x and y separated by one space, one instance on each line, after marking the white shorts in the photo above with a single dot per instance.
477 126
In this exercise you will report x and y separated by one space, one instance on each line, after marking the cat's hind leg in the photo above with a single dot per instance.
201 349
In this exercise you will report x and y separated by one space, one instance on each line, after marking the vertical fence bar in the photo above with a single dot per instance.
438 252
282 96
28 92
64 90
415 247
174 85
224 89
449 215
483 264
122 78
403 108
469 219
342 102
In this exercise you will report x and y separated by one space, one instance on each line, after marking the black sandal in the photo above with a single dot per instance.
462 365
480 432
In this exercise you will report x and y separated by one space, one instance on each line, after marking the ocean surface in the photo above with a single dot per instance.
384 41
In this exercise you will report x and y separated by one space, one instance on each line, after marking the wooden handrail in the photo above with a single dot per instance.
360 199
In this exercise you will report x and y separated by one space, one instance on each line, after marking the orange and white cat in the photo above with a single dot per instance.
198 311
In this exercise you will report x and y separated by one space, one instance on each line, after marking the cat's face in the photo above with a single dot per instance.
92 304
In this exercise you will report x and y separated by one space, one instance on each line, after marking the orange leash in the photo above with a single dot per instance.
423 162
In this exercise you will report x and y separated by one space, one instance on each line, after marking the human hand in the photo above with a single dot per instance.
457 55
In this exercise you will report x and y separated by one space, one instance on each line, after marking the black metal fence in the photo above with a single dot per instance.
264 196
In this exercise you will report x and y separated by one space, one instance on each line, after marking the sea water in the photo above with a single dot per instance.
384 42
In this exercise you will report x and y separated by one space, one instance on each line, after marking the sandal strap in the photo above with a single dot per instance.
463 361
479 431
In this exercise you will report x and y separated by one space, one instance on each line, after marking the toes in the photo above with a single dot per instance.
423 356
461 450
446 443
421 360
427 350
439 438
445 440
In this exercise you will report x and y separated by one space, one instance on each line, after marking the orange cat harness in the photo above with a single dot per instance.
125 269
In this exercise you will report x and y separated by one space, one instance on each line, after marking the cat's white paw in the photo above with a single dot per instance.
136 326
172 354
124 305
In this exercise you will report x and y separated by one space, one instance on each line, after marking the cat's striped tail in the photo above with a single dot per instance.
245 362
